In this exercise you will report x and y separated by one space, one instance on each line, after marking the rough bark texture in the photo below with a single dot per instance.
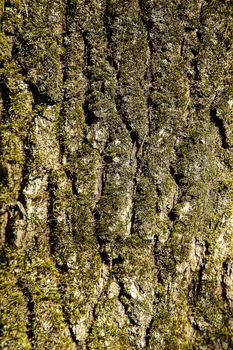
116 174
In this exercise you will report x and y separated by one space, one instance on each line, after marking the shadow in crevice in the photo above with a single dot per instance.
4 100
219 123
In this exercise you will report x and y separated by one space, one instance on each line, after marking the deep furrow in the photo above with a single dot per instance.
30 314
90 118
219 124
225 286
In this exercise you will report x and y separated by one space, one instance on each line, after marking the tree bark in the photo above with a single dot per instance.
116 186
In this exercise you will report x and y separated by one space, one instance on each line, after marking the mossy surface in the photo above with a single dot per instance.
116 186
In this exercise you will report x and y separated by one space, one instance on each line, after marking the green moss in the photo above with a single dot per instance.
12 20
13 310
106 332
32 281
40 49
83 182
14 132
5 47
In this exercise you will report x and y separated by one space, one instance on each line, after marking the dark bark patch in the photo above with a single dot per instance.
219 123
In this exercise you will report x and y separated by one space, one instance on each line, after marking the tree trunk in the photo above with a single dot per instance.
116 174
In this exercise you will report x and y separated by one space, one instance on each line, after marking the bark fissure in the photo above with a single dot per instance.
30 312
108 31
219 124
201 271
224 286
69 325
125 299
148 333
90 117
9 235
52 222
